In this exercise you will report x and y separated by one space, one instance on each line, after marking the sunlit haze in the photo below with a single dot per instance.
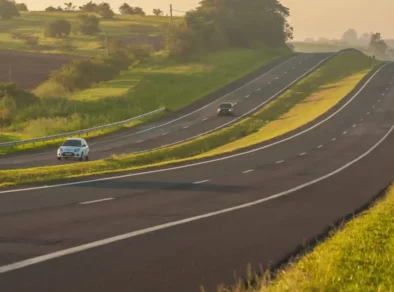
310 18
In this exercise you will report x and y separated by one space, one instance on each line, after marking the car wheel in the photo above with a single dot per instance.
59 158
87 157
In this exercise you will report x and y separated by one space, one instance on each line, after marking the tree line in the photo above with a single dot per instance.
231 23
10 9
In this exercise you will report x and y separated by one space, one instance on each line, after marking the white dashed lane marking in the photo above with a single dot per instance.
354 126
334 139
344 133
185 127
303 154
205 119
201 182
320 146
280 161
96 201
247 171
247 96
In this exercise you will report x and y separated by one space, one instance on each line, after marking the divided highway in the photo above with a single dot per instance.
195 120
175 228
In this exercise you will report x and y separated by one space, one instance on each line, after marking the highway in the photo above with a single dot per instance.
249 94
179 227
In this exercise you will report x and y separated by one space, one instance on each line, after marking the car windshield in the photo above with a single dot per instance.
226 105
72 143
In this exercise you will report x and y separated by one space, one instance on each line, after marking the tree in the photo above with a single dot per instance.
69 7
58 28
236 23
377 45
157 12
53 9
104 9
137 11
8 9
125 9
365 38
88 24
21 7
89 7
350 36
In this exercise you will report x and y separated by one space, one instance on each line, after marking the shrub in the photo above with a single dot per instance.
53 9
11 99
141 52
105 11
88 24
58 28
8 9
21 7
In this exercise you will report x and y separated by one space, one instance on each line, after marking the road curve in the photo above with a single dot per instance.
200 118
291 192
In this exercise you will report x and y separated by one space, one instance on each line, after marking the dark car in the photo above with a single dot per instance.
226 109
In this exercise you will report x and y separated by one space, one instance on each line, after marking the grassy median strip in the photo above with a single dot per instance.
360 257
343 71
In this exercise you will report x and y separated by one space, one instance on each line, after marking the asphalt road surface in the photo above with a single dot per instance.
174 229
197 119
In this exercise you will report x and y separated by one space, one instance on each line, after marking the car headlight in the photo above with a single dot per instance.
77 150
60 149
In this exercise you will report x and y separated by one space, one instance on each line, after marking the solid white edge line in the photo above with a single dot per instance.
73 250
96 201
201 162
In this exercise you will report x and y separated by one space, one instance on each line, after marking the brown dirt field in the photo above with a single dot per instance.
30 69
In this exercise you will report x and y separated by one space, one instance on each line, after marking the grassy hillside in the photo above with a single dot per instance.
161 81
14 33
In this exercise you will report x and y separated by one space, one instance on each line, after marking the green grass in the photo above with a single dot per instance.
351 67
359 257
159 82
33 24
304 47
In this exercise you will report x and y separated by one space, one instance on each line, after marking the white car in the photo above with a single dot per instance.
73 148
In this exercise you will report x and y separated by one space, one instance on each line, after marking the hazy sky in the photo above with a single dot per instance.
310 18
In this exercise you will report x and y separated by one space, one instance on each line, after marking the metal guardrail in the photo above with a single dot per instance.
86 131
